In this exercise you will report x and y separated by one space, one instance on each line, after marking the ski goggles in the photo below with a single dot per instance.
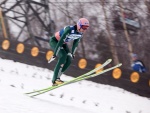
84 27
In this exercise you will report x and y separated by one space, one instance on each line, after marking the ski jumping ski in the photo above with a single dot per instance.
86 74
79 78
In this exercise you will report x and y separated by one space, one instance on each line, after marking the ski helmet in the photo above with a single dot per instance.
82 23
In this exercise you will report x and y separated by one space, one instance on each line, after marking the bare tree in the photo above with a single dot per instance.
111 41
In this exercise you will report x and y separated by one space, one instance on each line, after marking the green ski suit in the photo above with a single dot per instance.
58 43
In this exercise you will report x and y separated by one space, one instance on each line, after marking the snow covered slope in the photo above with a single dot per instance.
82 97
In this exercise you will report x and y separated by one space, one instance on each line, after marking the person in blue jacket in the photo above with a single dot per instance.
137 65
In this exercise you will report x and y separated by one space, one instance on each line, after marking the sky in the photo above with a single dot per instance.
82 97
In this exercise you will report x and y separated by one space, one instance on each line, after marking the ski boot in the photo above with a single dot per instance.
57 82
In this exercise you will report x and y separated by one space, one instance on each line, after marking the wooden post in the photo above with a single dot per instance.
130 48
3 24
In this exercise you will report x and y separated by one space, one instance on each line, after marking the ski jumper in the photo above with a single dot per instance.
58 43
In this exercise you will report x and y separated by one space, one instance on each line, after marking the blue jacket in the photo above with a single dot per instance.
138 66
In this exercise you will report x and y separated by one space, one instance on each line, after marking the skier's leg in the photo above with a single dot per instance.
68 59
62 55
58 68
67 63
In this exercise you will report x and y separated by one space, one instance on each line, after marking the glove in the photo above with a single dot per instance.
72 55
51 59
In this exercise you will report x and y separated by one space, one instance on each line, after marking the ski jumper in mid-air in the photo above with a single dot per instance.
58 43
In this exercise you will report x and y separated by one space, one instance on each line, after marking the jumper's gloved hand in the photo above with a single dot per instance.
51 59
72 55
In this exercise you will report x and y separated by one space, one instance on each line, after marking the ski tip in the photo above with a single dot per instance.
120 64
109 60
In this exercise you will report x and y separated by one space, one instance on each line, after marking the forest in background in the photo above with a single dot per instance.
102 40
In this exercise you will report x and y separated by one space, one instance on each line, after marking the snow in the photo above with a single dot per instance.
82 97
